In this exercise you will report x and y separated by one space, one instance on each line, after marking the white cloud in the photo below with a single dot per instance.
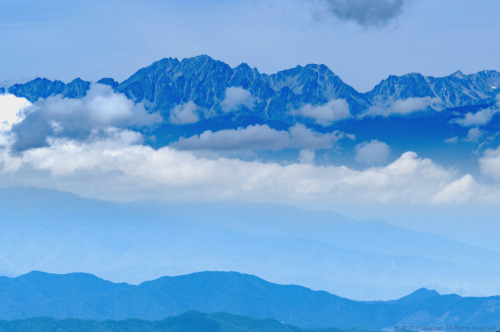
235 97
306 156
184 113
372 153
474 135
326 114
11 110
457 192
111 163
100 109
451 140
117 168
402 106
490 163
259 137
480 118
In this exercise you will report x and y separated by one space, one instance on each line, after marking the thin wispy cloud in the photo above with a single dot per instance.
325 114
259 137
402 106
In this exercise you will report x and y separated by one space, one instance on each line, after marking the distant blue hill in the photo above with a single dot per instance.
191 321
85 296
61 232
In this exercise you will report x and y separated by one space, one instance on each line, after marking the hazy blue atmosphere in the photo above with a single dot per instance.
351 147
93 39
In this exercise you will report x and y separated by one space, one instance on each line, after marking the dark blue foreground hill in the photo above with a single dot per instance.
188 322
85 296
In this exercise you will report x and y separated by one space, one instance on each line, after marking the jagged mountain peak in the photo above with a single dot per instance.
455 90
108 81
458 74
203 63
77 80
203 80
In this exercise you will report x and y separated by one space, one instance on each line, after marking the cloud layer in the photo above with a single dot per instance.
89 146
118 168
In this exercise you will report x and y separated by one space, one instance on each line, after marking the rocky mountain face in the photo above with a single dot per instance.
455 90
204 81
43 88
170 82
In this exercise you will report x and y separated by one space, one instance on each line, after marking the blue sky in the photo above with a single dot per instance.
92 39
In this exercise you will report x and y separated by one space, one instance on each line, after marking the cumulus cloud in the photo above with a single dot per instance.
184 113
372 153
365 13
474 135
457 192
111 163
403 106
11 110
489 163
236 97
326 114
56 116
117 168
259 137
480 118
306 156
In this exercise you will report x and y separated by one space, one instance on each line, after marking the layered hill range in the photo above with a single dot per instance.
204 81
134 242
79 295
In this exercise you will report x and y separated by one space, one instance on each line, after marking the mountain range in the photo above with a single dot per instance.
79 295
437 117
191 321
134 242
170 82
